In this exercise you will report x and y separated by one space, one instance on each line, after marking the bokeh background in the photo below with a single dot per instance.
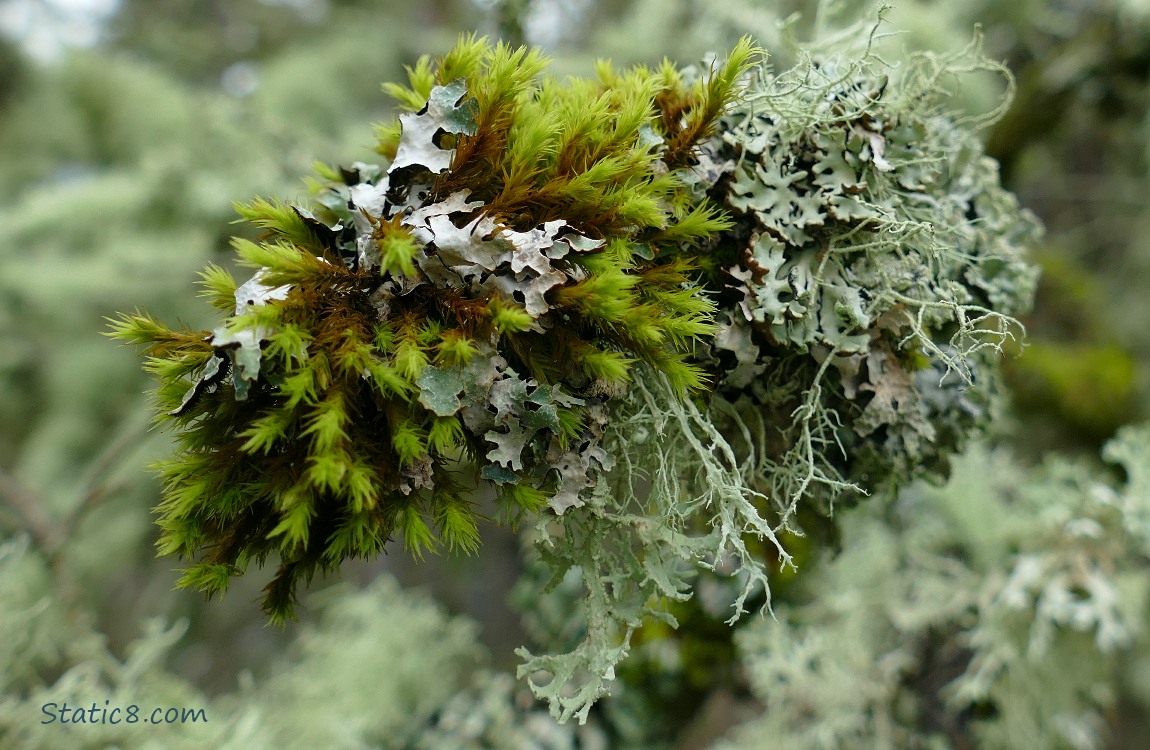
128 128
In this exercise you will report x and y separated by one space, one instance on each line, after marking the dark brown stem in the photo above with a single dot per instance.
45 533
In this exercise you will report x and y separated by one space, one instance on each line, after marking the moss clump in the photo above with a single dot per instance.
462 315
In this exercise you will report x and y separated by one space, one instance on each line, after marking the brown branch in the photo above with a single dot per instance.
50 535
46 533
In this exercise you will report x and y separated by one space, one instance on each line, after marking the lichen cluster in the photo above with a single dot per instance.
871 277
863 292
1006 601
663 313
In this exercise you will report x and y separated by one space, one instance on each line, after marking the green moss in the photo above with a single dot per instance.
493 253
1090 387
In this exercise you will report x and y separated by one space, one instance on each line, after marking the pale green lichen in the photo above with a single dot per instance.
865 290
878 260
999 607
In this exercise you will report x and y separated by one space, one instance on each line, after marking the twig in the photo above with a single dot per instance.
45 533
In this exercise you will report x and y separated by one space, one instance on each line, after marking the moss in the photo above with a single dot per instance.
522 252
1089 387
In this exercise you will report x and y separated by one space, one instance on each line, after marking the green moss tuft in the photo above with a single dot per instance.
468 303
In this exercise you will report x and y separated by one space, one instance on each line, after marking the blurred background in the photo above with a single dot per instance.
128 128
